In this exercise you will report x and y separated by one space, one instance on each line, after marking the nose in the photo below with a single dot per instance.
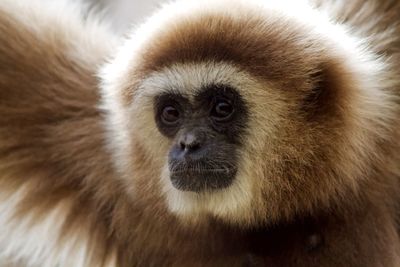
190 145
190 142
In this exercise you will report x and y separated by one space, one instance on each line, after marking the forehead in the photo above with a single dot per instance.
269 46
215 47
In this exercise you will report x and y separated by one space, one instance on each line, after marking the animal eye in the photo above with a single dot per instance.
222 110
170 115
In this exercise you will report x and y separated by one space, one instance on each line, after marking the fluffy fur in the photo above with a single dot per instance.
83 176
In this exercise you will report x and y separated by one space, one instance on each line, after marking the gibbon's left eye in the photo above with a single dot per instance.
170 115
222 110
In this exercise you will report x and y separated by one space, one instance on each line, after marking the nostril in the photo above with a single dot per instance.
182 145
194 146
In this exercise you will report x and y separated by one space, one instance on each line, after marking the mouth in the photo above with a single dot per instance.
200 180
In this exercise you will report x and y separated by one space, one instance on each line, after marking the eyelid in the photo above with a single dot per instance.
175 106
226 119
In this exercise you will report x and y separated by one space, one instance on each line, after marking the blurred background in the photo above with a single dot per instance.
123 13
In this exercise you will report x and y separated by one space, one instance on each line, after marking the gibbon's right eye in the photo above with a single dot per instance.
169 111
170 115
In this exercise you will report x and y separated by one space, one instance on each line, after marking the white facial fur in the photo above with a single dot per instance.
188 79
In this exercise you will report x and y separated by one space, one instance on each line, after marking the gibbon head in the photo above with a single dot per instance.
247 111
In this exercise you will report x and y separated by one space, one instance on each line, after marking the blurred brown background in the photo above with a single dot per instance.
123 13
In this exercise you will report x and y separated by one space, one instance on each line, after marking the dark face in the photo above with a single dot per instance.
206 136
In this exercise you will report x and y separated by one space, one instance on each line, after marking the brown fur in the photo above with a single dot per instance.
50 132
331 203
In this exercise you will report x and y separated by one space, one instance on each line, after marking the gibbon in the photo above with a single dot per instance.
217 133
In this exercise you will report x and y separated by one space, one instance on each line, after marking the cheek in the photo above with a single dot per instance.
143 131
259 158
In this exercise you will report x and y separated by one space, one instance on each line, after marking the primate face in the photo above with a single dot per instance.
206 133
215 131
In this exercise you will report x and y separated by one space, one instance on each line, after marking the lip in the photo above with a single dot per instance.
199 179
227 170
